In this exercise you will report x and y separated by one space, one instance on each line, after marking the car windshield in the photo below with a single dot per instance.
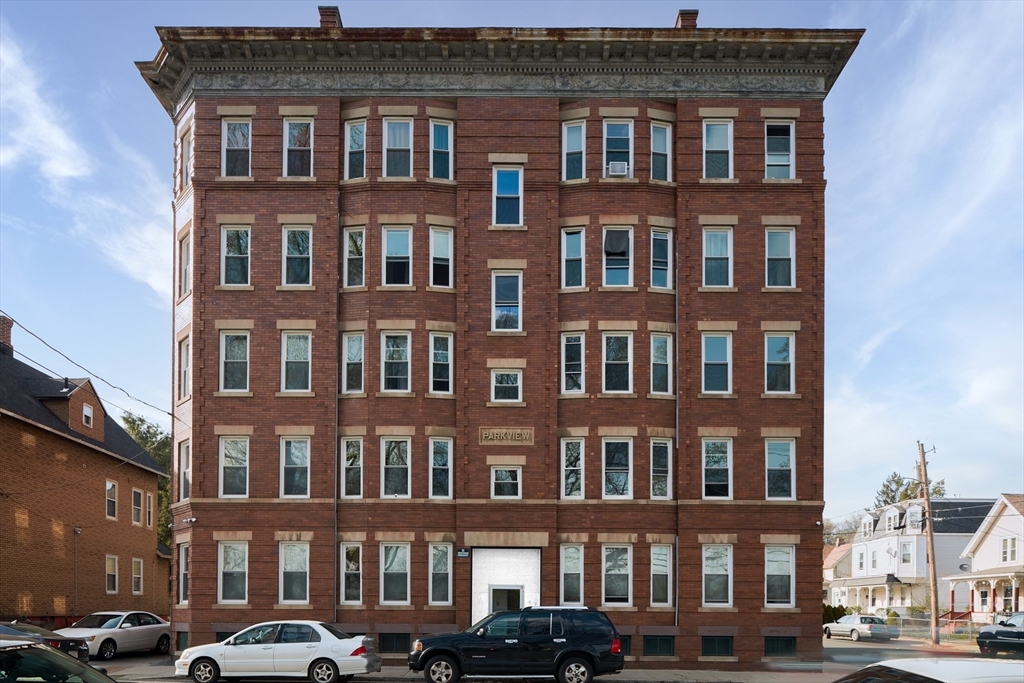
340 635
33 629
99 621
474 627
36 663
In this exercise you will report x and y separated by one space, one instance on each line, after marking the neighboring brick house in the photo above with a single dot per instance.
473 318
78 512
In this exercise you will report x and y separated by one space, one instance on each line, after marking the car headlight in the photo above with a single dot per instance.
90 639
185 655
417 646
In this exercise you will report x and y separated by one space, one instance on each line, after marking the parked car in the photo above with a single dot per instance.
24 660
116 631
76 647
1006 636
573 643
858 626
300 649
938 670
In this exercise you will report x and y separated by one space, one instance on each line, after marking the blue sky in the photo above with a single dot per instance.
925 223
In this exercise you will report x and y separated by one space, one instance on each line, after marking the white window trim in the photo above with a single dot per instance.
220 467
668 443
704 147
583 363
792 144
87 415
910 553
106 498
148 511
874 559
344 466
220 573
280 572
451 362
519 482
384 255
117 578
248 358
284 254
565 145
792 578
430 465
434 230
185 368
494 194
309 459
408 467
408 573
430 573
704 255
703 573
604 362
792 468
362 282
182 470
284 359
384 146
670 593
604 146
224 253
494 385
668 150
604 466
341 592
792 361
141 575
669 268
344 362
1008 549
604 255
383 350
186 168
185 265
348 127
583 467
139 508
561 573
604 573
703 468
450 125
224 144
583 257
183 561
703 361
494 304
312 139
671 370
792 257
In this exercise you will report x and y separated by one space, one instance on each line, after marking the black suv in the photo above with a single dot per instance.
573 643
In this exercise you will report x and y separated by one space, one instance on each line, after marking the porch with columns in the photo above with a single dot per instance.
990 595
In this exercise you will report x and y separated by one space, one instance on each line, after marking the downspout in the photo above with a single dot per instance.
77 531
675 312
337 407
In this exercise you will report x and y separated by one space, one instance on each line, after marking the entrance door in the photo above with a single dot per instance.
514 572
505 597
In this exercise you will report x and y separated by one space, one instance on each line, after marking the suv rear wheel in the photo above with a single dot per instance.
441 669
575 670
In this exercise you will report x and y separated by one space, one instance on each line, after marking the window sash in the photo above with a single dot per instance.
395 464
235 251
574 136
573 364
716 350
295 461
661 152
394 574
441 149
293 576
661 469
780 247
571 574
778 363
398 137
617 575
618 144
298 144
661 574
297 264
718 142
354 257
184 368
184 470
574 264
441 346
779 469
395 361
716 563
718 257
441 260
236 148
440 468
661 364
397 255
440 574
661 259
234 365
111 574
234 467
573 463
186 159
617 365
137 507
507 195
352 573
232 572
185 265
183 570
618 257
506 385
506 482
778 149
352 369
716 465
617 464
352 471
111 499
506 301
355 149
149 509
779 576
296 361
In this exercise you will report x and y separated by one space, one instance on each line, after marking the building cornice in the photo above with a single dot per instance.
485 62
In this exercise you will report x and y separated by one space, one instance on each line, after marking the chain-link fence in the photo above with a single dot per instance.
963 631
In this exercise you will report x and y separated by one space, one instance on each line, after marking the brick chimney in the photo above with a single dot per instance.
6 324
687 18
330 17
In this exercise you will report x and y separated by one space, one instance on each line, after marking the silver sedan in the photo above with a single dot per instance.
859 626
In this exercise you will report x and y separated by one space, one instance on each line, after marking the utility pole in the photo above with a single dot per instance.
933 583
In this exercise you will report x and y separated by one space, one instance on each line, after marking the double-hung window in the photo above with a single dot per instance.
184 470
296 354
618 468
234 367
717 466
779 470
573 263
779 577
185 265
355 149
506 305
506 385
295 467
352 574
574 135
661 575
394 574
717 570
780 245
234 467
395 357
717 361
184 368
572 469
505 482
718 149
572 574
440 468
234 251
186 159
661 259
233 568
149 510
397 148
778 150
618 362
618 257
661 469
183 562
440 363
661 364
352 483
440 574
1009 549
441 150
294 579
111 499
298 136
778 363
618 149
906 554
87 415
617 579
137 507
353 368
441 258
717 257
661 151
397 256
297 266
573 377
111 574
235 147
395 466
354 257
508 195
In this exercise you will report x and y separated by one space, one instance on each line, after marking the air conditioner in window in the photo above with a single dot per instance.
618 169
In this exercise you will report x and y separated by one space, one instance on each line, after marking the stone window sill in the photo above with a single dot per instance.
441 181
349 290
295 394
618 289
498 333
780 610
781 289
359 395
717 289
660 290
507 227
396 179
234 178
618 180
396 394
450 397
296 288
667 397
573 290
780 395
441 290
718 609
297 179
615 395
663 183
396 288
234 288
717 396
506 404
293 606
781 181
353 181
718 659
575 395
218 605
574 181
232 394
719 181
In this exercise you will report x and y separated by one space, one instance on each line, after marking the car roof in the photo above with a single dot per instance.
307 622
10 641
961 669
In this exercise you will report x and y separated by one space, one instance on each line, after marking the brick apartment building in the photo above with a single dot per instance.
467 319
78 511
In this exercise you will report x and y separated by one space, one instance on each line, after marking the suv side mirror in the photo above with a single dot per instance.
480 632
126 625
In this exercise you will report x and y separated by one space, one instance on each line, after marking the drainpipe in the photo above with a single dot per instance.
78 530
675 313
337 407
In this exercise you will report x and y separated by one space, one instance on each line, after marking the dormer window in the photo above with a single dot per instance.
914 518
866 528
87 415
891 522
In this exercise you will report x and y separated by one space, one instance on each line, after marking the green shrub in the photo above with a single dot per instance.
830 613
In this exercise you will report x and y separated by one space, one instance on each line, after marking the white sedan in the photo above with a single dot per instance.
119 631
301 649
